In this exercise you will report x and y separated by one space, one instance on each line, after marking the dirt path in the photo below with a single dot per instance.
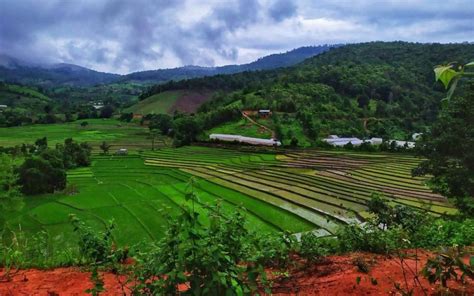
258 124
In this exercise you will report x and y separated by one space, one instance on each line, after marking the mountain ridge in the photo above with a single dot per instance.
18 71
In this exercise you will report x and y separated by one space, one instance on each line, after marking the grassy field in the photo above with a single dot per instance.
157 104
117 133
293 191
240 127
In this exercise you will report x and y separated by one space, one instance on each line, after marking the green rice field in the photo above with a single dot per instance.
117 133
294 191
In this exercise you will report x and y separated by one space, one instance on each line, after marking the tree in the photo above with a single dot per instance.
294 142
41 143
75 154
42 174
107 111
449 146
186 129
105 147
153 133
10 196
161 122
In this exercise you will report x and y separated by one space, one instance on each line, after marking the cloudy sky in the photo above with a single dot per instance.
129 35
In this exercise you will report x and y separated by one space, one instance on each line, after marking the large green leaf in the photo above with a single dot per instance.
445 74
452 88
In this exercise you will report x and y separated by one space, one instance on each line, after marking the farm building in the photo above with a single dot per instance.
339 142
121 151
416 136
375 141
408 144
98 106
264 113
246 140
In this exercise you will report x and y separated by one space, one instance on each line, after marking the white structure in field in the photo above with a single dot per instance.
408 144
98 105
242 139
416 136
339 142
375 141
121 151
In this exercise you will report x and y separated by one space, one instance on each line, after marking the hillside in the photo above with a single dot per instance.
383 89
49 75
23 97
170 101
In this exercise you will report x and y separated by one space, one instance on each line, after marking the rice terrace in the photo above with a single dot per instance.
294 191
250 147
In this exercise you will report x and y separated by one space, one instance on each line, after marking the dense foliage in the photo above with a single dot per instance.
382 89
44 171
10 196
449 146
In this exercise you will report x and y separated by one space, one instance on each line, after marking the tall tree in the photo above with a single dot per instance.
10 196
105 147
449 146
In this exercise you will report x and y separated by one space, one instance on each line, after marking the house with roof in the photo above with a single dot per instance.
264 113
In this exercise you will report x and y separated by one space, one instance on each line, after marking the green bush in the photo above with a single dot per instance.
312 247
212 259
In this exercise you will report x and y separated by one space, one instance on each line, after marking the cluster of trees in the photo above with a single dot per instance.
44 170
185 128
18 116
380 89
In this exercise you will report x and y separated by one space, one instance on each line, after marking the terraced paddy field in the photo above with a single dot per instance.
118 134
295 191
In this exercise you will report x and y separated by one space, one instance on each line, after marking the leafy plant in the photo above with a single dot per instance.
312 247
198 259
443 267
450 74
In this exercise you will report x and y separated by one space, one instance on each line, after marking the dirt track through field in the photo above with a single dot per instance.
258 124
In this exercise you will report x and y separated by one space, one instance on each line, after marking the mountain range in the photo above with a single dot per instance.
14 70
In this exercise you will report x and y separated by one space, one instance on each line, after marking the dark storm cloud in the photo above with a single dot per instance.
129 35
282 9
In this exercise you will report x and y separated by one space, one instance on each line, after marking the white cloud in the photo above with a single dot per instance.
123 36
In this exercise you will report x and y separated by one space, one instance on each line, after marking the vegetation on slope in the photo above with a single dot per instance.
382 89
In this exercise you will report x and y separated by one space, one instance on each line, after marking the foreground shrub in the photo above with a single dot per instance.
209 259
312 247
444 232
369 238
444 266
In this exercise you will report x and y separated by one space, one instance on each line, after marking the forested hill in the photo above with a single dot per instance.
17 71
273 61
380 88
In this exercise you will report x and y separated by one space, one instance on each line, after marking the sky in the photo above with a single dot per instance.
122 36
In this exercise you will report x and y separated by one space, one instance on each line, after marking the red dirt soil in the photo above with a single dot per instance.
336 275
